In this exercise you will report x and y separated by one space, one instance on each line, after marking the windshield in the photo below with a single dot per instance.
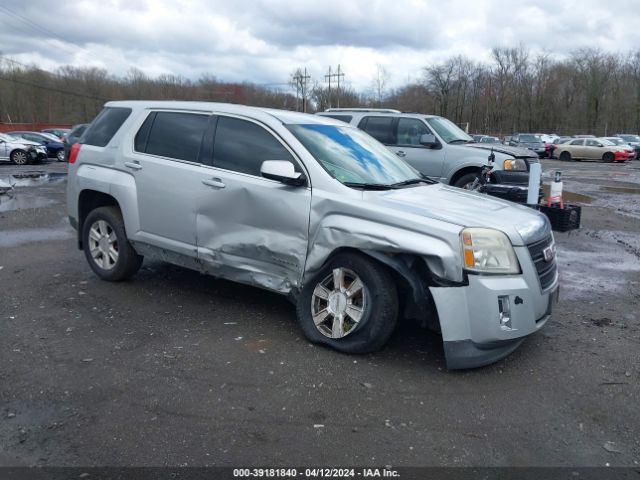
605 142
530 138
352 156
50 136
630 138
7 138
616 141
448 131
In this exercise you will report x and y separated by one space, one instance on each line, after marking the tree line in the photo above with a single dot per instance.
588 91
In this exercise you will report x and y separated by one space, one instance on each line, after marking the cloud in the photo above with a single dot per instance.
263 41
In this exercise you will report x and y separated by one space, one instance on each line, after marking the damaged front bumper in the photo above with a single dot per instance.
490 317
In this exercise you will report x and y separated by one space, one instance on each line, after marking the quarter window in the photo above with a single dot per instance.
242 146
105 126
172 134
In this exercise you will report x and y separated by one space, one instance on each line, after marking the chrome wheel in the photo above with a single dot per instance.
19 158
338 303
60 155
103 245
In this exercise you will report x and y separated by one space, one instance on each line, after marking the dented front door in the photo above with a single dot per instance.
251 229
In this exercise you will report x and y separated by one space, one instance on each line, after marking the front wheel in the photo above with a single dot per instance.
106 247
466 181
565 156
20 157
350 305
608 157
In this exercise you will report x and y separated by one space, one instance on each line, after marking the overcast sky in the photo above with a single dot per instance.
263 41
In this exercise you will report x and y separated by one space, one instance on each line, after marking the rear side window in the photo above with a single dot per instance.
242 146
105 126
380 128
172 134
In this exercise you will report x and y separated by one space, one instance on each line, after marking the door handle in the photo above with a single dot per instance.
134 165
400 153
214 182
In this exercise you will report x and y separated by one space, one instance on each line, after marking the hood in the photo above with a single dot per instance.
506 149
452 205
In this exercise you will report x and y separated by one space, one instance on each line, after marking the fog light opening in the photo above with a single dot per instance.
504 310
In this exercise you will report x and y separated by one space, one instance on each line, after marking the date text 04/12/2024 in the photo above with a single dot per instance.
315 473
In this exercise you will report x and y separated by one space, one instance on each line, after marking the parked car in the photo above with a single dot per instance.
20 151
439 149
592 149
633 140
73 137
555 143
315 209
529 141
619 142
58 132
487 139
55 148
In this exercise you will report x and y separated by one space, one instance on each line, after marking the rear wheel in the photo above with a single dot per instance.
350 305
466 181
565 156
106 247
608 157
19 157
60 155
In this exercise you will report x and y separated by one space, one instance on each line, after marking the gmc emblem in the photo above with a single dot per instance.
549 253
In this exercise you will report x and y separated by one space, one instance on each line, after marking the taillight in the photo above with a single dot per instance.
75 150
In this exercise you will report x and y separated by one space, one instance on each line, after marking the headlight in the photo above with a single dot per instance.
514 164
488 251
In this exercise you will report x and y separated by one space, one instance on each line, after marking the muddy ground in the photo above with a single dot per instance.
175 368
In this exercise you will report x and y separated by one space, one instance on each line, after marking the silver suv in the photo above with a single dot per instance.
314 209
441 150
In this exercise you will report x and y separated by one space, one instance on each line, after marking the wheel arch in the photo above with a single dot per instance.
463 171
412 277
89 200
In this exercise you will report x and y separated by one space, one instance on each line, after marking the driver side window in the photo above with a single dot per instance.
409 132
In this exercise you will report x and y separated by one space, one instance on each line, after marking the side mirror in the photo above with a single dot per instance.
282 171
428 140
601 145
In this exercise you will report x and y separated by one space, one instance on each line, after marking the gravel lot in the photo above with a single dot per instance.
175 368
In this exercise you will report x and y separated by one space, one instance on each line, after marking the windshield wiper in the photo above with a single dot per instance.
460 140
368 186
414 181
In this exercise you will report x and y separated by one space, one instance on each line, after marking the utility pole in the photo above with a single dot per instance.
301 86
328 77
337 76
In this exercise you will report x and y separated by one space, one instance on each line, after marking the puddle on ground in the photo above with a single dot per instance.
32 178
569 197
13 238
622 190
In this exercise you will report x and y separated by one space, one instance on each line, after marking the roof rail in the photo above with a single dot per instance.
379 110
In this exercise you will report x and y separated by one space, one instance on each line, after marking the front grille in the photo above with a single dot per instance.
547 271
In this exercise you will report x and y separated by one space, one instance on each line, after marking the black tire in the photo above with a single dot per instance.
60 155
128 261
608 157
20 157
466 180
380 312
564 156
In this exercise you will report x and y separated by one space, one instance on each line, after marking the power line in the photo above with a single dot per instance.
33 25
52 89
